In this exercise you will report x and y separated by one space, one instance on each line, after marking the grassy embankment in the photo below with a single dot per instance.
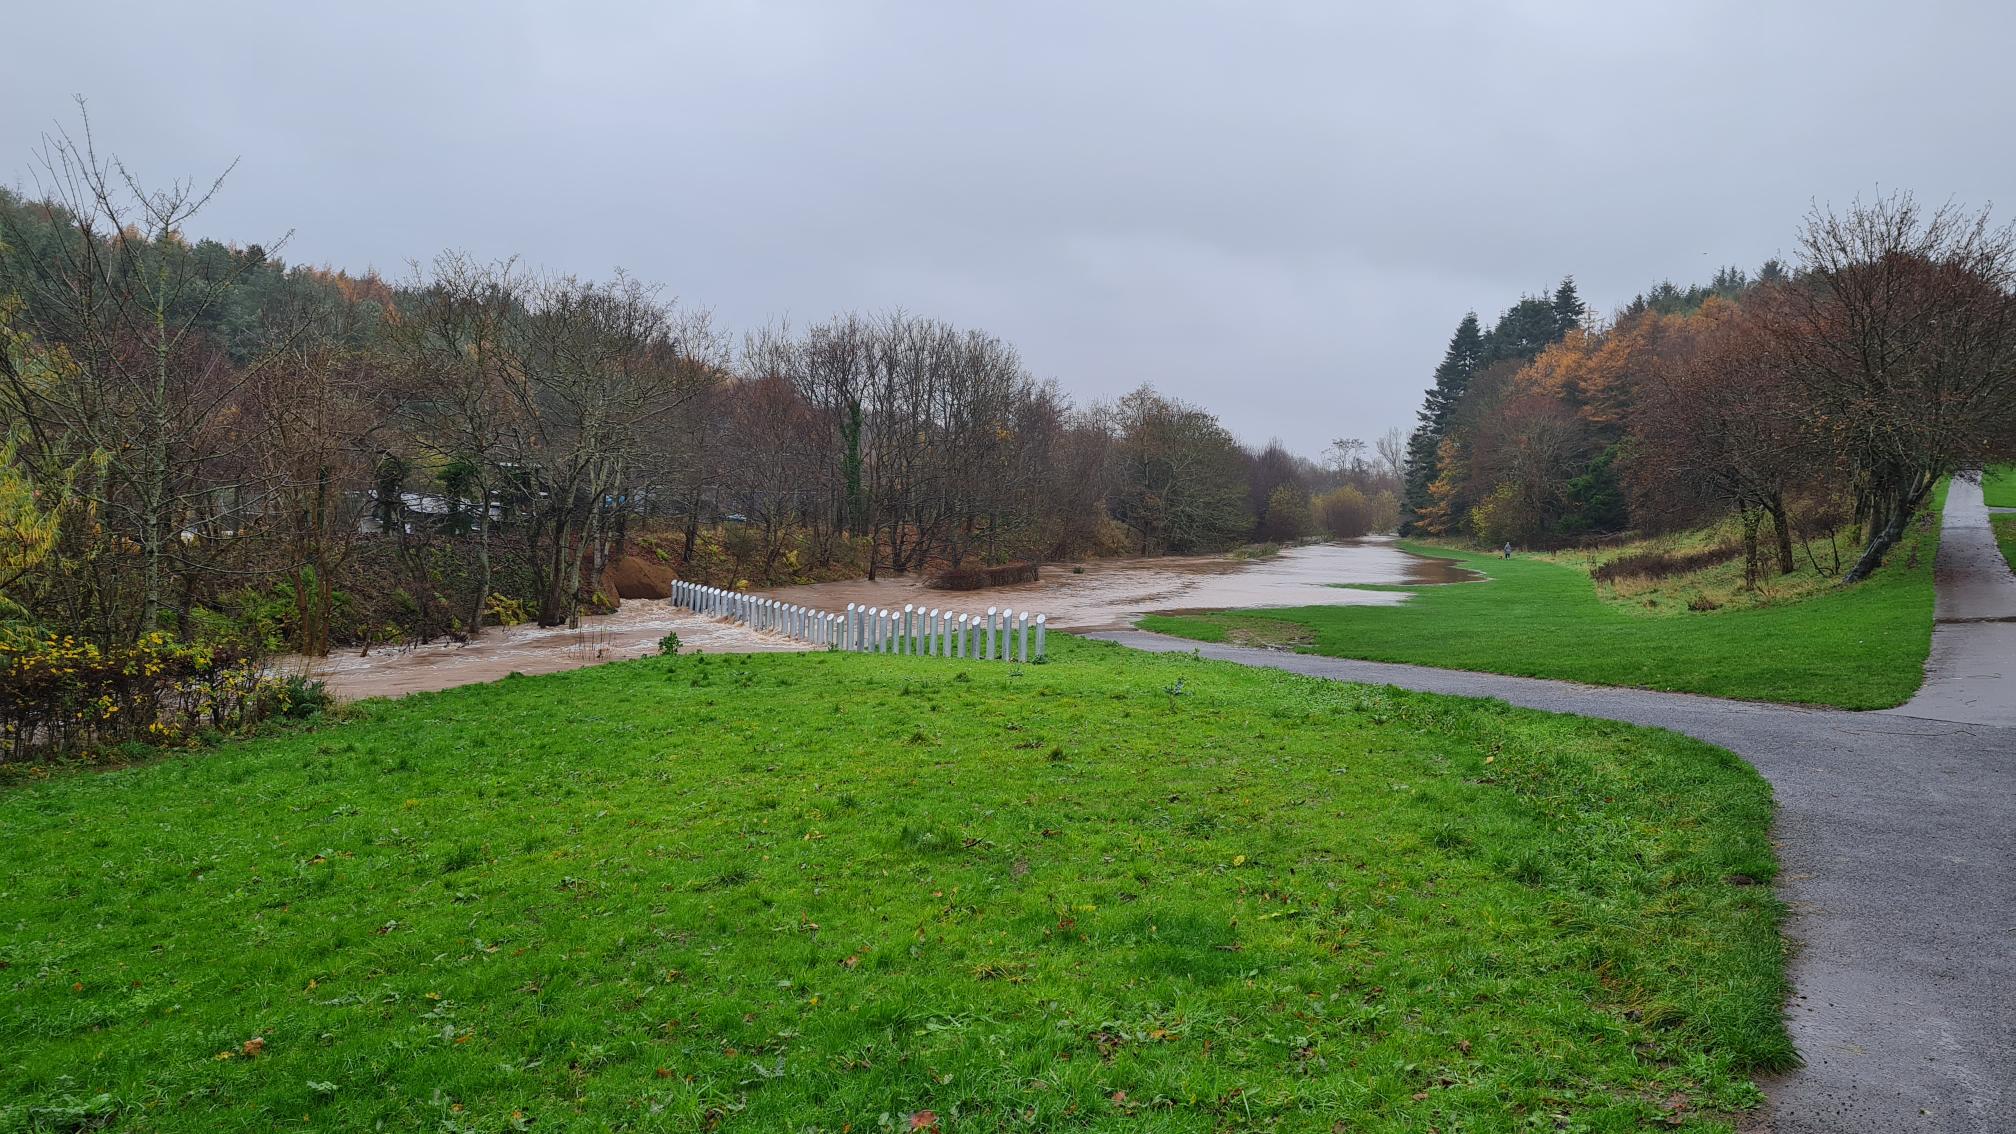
809 891
1998 487
1802 638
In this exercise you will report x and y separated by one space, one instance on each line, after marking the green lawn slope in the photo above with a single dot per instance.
1998 487
828 892
1856 648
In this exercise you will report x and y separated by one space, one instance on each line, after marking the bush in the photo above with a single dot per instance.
1664 564
61 696
979 578
299 697
669 644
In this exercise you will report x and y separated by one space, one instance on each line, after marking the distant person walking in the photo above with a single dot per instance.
1508 549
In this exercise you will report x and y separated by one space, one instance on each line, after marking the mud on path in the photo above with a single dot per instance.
1110 594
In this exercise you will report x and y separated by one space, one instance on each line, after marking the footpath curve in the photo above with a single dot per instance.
1896 843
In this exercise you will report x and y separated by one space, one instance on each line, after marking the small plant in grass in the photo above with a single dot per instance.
669 644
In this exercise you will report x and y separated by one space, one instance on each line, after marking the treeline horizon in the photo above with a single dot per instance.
1819 401
206 441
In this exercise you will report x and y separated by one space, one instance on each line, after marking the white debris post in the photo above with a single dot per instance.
1022 626
989 654
847 630
903 636
1041 623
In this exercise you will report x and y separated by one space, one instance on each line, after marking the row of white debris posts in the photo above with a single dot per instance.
998 635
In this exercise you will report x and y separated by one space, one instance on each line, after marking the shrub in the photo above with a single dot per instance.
1663 564
669 644
979 578
59 695
505 610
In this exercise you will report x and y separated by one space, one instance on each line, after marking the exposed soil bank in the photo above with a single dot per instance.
1110 594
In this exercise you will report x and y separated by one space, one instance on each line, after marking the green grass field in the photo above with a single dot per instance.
829 892
1998 487
1859 648
2005 536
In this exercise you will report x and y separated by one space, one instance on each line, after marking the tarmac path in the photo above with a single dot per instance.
1896 843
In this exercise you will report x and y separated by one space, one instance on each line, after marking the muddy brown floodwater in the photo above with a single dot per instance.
632 632
1110 594
1106 594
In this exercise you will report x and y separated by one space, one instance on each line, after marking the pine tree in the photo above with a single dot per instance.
1459 363
1568 308
1522 332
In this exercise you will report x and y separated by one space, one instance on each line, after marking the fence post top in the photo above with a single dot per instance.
850 606
1042 618
992 610
907 608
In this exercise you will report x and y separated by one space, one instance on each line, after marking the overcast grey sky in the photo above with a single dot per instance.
1278 210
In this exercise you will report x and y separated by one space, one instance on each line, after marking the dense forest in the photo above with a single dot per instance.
1811 405
207 445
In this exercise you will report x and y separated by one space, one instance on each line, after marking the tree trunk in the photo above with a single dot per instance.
482 565
1752 520
1883 538
1776 506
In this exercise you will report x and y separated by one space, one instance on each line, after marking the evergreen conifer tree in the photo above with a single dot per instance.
1461 361
1568 308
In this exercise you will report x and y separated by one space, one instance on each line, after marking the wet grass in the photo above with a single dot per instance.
1998 487
2005 537
823 892
1855 648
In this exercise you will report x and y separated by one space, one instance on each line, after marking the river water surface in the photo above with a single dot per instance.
1104 594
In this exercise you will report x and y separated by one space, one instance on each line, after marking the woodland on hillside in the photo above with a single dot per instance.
1815 406
207 445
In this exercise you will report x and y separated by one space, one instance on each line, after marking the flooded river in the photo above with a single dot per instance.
1110 594
1105 594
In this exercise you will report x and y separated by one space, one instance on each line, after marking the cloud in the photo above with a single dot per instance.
1276 210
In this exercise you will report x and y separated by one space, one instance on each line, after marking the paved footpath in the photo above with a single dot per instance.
1897 838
